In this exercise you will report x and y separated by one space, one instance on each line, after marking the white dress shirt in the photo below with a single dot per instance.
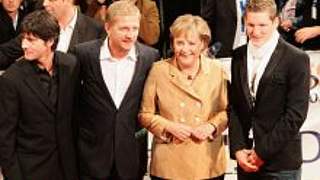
117 73
66 34
261 54
15 21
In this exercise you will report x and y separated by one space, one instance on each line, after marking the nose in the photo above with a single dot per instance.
255 31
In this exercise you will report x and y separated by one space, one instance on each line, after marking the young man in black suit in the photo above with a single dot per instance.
269 99
36 107
113 72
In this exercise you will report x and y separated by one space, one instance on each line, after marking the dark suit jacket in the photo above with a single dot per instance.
86 29
280 109
221 16
107 134
7 30
37 143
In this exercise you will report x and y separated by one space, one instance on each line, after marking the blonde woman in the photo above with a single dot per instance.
184 107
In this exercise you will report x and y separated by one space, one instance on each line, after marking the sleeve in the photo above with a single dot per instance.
220 119
148 116
10 52
9 113
237 131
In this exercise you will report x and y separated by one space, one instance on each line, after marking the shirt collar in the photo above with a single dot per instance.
105 53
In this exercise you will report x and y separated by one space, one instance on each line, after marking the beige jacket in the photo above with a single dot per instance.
167 97
150 22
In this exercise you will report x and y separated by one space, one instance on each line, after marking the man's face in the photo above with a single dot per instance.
35 48
55 7
11 6
122 32
260 27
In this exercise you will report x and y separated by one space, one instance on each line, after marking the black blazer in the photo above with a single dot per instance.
221 16
86 29
35 141
107 134
7 30
280 109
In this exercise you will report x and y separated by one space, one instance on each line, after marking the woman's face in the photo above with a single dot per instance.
187 48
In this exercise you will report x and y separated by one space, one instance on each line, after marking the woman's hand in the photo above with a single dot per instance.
203 131
180 131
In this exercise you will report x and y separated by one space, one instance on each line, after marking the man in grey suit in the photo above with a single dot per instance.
75 28
269 99
113 72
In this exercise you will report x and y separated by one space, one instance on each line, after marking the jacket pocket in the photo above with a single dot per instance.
278 79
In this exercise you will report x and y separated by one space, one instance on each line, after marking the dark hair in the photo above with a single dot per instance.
43 25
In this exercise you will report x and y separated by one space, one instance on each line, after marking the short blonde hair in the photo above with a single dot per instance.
122 8
189 23
262 6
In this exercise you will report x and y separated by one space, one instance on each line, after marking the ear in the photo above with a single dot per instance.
107 26
276 21
50 43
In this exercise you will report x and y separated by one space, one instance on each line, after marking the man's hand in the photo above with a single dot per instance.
255 159
242 157
306 33
286 25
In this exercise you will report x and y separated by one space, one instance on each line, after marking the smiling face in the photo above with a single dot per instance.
187 48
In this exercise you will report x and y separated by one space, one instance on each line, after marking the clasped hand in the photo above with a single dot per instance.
248 160
182 132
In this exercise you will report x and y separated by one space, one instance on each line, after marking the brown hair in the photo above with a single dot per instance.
262 6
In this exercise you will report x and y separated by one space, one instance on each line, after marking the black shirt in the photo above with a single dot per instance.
48 82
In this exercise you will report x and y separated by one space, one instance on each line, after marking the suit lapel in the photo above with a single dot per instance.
273 62
62 75
244 76
75 34
181 84
97 71
33 82
137 73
